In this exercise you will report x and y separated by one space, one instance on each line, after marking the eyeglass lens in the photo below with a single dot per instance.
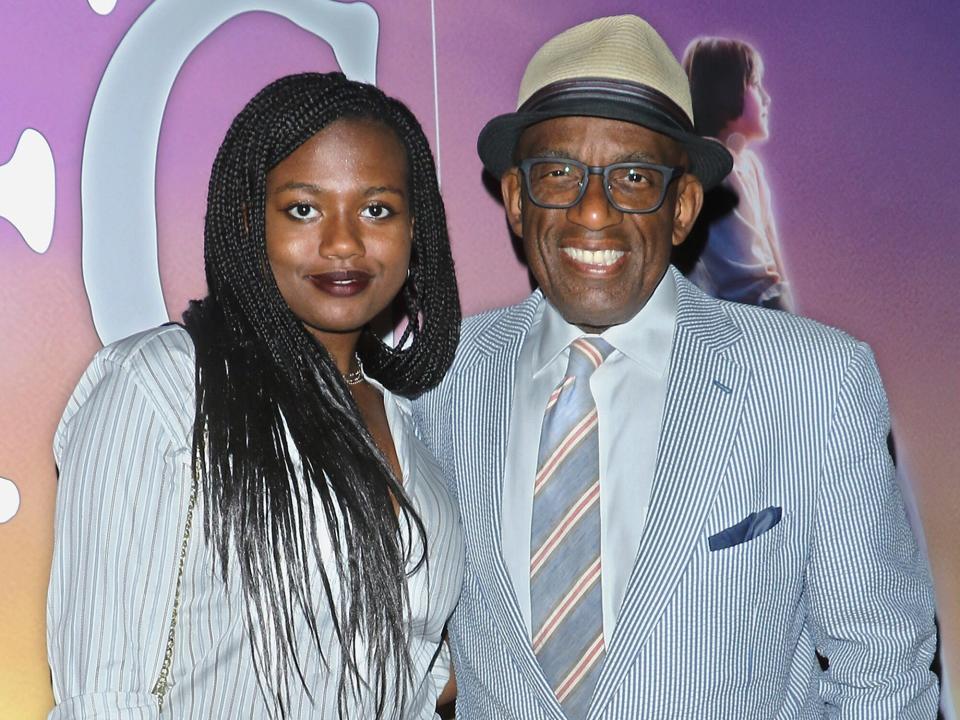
629 187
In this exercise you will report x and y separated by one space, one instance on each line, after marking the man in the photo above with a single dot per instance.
671 504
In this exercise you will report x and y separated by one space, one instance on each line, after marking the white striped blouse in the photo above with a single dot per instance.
123 448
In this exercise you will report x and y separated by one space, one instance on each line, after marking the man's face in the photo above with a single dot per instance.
595 290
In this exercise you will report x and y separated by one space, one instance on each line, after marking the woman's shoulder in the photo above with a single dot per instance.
160 361
154 367
166 345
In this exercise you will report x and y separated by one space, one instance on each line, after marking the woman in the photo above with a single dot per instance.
247 525
741 259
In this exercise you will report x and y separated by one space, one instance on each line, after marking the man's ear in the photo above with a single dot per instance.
687 207
512 190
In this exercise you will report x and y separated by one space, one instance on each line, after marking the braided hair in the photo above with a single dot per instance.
279 447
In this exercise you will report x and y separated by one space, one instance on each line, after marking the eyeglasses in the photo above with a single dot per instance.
631 187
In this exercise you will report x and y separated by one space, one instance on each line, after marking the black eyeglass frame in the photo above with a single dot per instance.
669 172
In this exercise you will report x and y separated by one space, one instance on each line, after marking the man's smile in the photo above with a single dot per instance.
594 261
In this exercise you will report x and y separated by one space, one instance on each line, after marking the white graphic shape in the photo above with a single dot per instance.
120 267
102 7
28 190
9 499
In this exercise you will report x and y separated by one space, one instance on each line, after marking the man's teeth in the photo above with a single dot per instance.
594 257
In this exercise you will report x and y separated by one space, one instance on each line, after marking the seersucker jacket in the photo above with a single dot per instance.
776 531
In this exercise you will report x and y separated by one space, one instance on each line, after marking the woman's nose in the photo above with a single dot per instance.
340 236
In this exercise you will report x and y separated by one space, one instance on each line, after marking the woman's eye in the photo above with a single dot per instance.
376 211
302 211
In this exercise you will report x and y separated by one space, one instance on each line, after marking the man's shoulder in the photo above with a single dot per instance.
491 331
779 328
791 350
494 329
755 326
514 318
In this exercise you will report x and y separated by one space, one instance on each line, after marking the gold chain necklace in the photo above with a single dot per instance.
354 377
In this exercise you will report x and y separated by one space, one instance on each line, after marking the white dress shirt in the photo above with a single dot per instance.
629 389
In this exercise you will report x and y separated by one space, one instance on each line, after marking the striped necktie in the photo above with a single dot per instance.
565 592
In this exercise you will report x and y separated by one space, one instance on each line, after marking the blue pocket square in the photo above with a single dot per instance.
750 527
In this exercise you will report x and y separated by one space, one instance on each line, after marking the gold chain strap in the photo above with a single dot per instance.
162 684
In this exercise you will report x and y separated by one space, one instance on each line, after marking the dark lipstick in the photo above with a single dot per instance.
341 283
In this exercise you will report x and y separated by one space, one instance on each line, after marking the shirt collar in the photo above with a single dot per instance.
646 338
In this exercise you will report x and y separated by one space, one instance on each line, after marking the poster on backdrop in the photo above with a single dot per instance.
113 111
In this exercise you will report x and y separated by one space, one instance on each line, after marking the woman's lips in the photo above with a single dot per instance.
341 283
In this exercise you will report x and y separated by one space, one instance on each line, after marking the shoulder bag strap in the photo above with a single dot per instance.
162 685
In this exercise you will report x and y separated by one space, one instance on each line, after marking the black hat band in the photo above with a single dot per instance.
556 95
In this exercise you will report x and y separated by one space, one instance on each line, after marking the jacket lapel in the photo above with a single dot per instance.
484 397
705 397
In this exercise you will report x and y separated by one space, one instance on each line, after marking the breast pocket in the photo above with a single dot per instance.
745 556
750 528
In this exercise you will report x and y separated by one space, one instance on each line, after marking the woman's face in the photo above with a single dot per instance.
338 225
753 121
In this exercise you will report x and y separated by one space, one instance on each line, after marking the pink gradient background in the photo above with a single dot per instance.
861 162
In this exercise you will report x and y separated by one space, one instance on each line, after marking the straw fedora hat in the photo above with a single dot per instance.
613 67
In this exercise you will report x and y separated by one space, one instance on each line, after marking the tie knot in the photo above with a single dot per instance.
586 355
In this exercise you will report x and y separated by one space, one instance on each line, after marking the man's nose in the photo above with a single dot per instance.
594 210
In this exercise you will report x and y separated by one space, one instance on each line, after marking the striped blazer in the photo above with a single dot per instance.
776 531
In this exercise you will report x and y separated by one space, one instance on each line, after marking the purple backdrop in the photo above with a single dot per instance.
860 161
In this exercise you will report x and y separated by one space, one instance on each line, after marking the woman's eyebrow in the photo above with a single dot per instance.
293 185
385 189
316 189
